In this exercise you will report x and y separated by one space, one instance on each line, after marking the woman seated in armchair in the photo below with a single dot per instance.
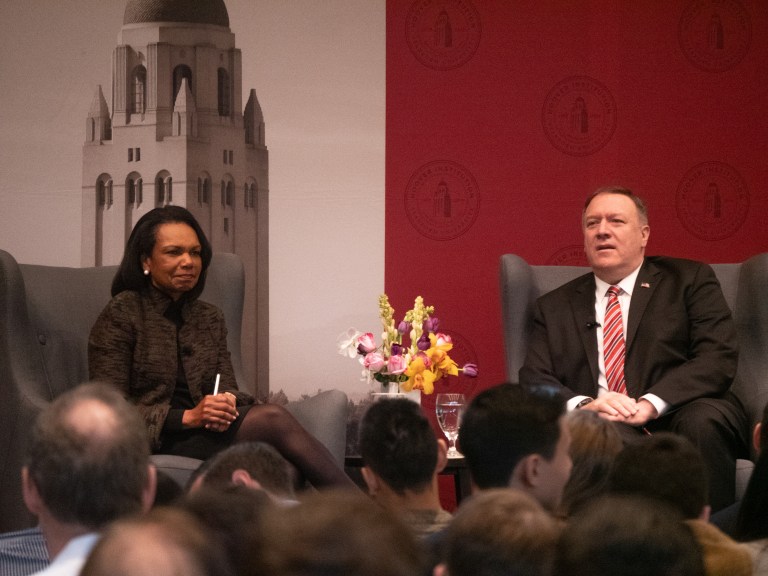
166 350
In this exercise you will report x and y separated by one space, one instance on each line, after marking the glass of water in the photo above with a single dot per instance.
449 408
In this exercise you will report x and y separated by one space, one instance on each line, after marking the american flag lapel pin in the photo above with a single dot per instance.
645 285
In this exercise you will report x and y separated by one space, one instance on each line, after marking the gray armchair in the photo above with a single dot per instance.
744 288
46 314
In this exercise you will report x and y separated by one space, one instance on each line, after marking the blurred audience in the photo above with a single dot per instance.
627 536
86 464
164 542
231 516
595 442
402 459
515 436
670 469
335 533
499 532
751 525
726 518
254 465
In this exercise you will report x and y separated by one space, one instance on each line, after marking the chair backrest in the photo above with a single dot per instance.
743 286
46 314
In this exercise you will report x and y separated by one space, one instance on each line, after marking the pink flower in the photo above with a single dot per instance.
366 343
374 361
396 365
442 339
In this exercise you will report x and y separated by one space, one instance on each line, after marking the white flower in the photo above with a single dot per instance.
347 343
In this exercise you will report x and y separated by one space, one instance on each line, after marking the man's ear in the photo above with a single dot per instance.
371 480
756 436
150 489
442 455
526 473
241 477
29 491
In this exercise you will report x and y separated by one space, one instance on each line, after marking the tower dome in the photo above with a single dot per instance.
194 11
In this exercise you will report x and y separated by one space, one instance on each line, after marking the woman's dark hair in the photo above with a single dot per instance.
141 242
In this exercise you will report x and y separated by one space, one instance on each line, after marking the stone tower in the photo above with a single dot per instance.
178 134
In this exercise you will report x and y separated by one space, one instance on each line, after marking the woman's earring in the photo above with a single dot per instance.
146 271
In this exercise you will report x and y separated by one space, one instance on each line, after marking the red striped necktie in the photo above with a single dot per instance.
613 343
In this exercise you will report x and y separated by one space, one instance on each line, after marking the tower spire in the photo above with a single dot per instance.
98 125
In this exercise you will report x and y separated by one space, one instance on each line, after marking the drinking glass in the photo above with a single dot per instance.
449 408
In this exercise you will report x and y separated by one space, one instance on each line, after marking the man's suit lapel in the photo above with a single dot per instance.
647 281
583 307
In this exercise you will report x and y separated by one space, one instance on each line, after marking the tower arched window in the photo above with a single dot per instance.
138 90
133 190
104 191
224 93
180 72
230 193
163 189
204 189
249 194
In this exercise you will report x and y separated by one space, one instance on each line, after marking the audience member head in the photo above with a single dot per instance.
595 442
130 275
87 460
628 536
255 465
398 446
666 467
514 435
231 514
165 542
335 532
500 532
752 519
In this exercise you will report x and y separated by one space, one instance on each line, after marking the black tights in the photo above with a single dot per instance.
275 425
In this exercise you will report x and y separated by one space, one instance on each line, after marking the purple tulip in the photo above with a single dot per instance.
404 327
397 349
470 370
423 343
431 324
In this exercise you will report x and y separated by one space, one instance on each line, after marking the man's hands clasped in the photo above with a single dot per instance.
621 408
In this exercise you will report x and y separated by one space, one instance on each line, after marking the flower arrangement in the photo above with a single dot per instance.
415 364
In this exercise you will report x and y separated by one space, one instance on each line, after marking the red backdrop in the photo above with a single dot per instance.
503 115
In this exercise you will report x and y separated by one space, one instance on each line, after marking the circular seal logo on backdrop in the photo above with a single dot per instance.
572 255
712 201
443 34
579 116
715 34
442 200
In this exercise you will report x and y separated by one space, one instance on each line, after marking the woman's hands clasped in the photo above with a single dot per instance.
215 413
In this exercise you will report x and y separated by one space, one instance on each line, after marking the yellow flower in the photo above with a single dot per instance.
419 377
442 364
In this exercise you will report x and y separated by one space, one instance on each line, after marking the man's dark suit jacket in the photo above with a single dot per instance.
681 341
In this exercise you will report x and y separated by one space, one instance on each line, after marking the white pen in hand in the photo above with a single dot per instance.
216 386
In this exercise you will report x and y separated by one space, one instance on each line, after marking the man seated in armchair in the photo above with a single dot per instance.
647 342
